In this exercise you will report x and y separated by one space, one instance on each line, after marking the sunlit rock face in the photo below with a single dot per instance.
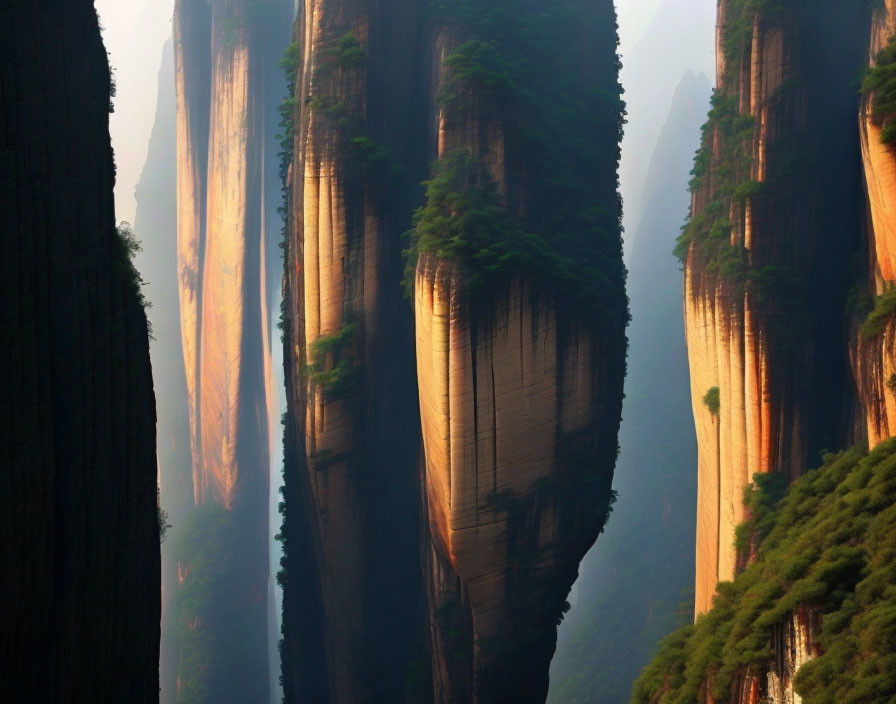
225 53
79 617
365 488
221 247
520 392
874 360
505 400
764 275
353 601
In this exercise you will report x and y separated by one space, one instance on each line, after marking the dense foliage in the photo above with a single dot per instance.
712 400
880 315
709 229
557 221
827 543
880 84
331 366
206 560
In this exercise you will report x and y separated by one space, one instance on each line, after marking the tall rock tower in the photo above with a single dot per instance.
491 461
226 55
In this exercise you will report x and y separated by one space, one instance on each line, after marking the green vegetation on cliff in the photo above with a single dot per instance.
465 220
709 229
723 167
712 400
880 84
556 220
881 315
828 544
330 364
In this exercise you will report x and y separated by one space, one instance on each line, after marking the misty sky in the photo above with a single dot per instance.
134 33
136 30
634 16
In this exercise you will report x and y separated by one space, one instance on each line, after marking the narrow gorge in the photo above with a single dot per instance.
342 415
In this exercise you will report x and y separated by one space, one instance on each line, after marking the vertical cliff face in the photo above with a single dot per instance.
519 363
225 52
353 599
762 274
519 391
872 355
80 583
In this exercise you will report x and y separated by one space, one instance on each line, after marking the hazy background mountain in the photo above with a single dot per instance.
679 37
155 224
133 32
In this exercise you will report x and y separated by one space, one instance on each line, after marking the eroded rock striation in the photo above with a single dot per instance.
80 538
762 271
226 54
873 350
353 603
787 284
492 463
519 364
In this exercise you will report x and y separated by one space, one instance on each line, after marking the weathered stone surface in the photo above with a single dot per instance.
504 400
367 102
225 54
874 360
353 601
520 397
80 536
762 335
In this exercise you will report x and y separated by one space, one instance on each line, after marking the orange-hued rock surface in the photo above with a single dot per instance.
482 494
874 360
496 398
192 142
727 341
330 425
224 130
513 384
221 252
352 620
734 443
758 324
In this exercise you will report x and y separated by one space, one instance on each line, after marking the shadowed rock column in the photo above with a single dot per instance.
353 599
519 363
80 573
